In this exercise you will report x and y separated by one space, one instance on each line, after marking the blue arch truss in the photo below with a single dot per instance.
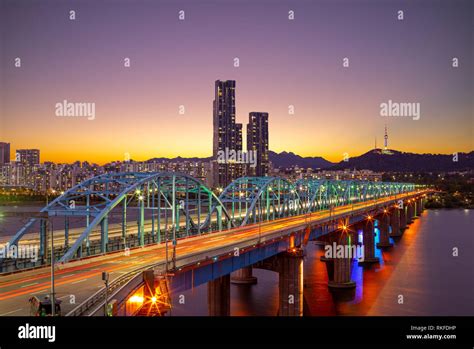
166 206
164 203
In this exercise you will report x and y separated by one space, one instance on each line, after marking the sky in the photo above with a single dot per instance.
282 62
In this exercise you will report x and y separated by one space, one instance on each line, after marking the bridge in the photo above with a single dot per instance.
183 235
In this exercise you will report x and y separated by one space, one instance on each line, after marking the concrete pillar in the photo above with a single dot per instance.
243 277
395 223
410 211
384 238
419 206
329 263
218 296
342 266
369 243
403 218
291 283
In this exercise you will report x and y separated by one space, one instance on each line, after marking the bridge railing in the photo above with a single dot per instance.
99 297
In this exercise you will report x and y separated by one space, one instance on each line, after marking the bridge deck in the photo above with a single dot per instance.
83 278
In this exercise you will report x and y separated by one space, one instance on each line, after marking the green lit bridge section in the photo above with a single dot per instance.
169 206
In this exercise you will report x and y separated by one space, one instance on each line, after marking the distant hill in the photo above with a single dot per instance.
281 160
375 160
285 159
396 161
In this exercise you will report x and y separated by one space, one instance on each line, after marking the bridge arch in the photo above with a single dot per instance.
318 194
162 196
260 198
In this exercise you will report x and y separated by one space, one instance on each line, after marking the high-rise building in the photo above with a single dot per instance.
227 135
4 153
257 141
29 157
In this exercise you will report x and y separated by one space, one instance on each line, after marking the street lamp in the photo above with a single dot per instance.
53 299
174 246
105 278
166 247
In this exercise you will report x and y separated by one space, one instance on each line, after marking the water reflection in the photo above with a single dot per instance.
420 267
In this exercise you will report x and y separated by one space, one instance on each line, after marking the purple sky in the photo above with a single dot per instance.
282 63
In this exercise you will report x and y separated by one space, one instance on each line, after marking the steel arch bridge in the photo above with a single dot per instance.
162 197
320 194
167 206
254 199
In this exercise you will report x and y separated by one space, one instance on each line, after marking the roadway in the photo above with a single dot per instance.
80 279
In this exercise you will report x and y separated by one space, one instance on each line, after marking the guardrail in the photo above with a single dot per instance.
99 296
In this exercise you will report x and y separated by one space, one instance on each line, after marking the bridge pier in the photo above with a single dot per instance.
403 219
395 223
243 277
218 296
413 209
342 266
329 262
419 206
290 283
410 211
369 243
384 237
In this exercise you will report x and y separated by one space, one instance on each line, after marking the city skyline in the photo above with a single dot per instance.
336 108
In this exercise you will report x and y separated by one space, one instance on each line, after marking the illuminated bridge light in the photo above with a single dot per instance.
136 299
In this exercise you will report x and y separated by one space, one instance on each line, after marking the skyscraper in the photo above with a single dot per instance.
227 134
257 140
29 157
4 153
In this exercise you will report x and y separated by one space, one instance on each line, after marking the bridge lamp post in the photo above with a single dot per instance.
105 278
53 298
166 246
175 242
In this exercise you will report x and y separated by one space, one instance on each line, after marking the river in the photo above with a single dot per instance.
420 267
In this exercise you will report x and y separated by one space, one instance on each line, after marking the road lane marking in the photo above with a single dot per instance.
34 283
39 292
11 312
76 282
